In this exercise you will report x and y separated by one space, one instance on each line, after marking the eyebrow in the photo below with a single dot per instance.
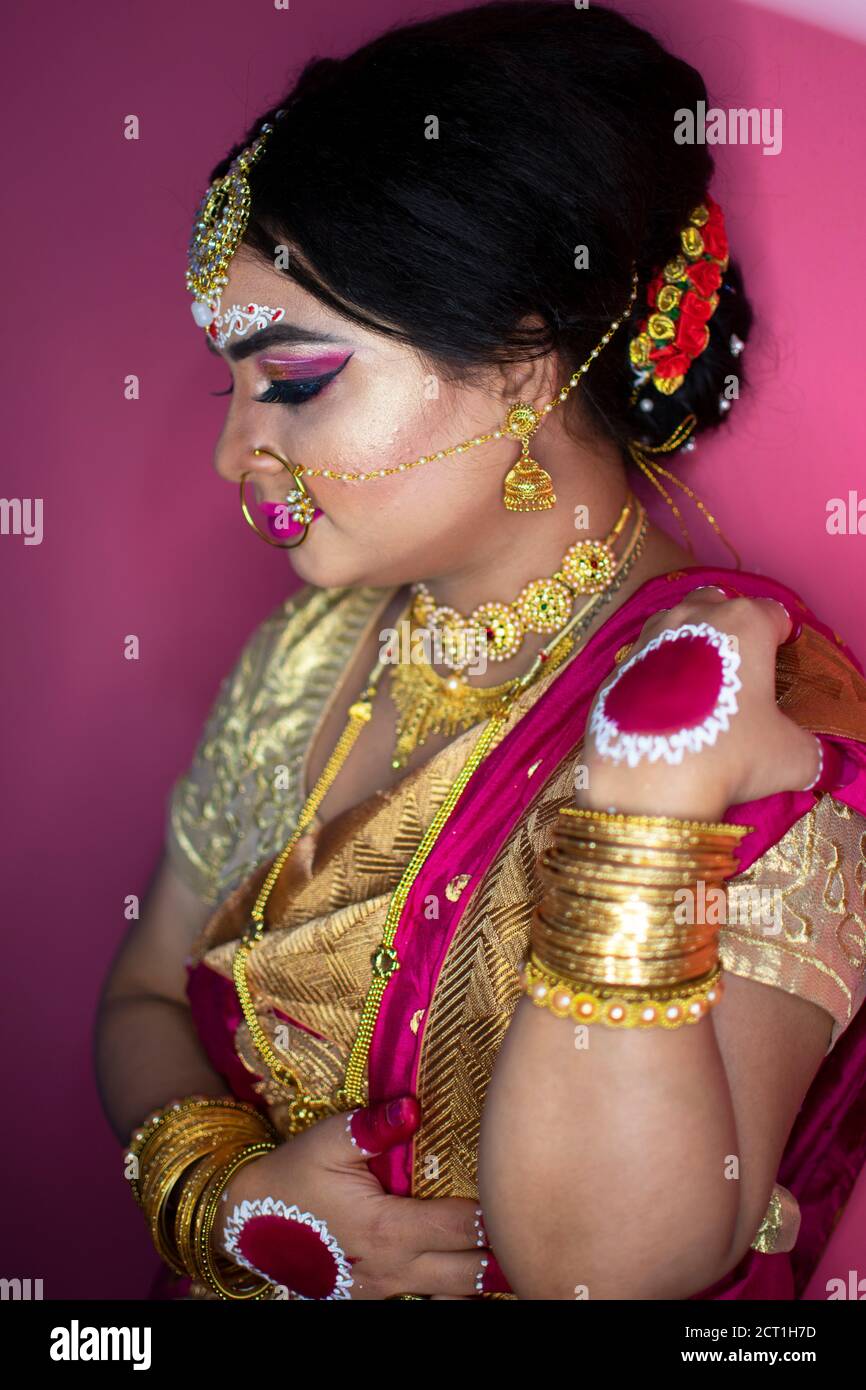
267 337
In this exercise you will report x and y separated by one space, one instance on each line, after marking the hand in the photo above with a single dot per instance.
761 751
392 1244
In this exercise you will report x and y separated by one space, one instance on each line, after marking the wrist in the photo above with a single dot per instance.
632 796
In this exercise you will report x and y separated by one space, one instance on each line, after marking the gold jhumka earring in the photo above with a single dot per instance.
528 487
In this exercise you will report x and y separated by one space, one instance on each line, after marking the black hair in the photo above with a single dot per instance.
555 131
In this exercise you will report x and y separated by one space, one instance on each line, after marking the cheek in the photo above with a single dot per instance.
387 430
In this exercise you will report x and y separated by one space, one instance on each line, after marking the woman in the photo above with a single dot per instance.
507 739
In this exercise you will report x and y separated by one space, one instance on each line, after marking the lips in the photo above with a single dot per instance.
278 521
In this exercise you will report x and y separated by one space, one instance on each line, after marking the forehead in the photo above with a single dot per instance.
254 289
248 273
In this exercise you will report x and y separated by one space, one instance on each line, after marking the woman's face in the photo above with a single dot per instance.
344 398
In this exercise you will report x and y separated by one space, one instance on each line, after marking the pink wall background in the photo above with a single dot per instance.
140 537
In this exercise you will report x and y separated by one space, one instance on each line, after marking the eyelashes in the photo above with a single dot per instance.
293 392
285 392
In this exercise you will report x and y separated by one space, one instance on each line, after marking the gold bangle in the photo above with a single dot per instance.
613 882
621 947
605 865
174 1153
205 1220
160 1123
621 1009
671 828
194 1185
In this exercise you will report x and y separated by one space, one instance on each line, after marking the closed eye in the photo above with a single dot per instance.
286 392
294 392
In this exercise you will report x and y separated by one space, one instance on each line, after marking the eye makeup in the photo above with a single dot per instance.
303 368
294 380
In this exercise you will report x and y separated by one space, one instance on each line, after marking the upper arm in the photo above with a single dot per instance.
772 1044
151 958
794 962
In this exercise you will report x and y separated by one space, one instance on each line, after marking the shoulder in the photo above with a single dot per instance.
796 918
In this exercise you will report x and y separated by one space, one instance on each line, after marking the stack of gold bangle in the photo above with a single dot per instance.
608 942
180 1161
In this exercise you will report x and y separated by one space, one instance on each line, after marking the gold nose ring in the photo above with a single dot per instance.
298 501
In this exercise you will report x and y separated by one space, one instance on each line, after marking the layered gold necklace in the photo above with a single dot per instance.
429 703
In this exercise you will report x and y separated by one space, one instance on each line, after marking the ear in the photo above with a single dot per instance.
535 379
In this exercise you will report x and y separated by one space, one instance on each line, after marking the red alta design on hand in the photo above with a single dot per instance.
288 1247
673 696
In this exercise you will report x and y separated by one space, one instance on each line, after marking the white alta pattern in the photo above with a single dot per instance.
612 743
275 1206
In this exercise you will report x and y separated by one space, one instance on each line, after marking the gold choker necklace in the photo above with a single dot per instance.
495 631
428 703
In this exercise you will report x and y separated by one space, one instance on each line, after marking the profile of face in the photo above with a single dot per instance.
326 393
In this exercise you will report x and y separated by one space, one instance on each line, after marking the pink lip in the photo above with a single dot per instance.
275 512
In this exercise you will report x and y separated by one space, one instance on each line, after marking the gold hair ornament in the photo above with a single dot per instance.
641 455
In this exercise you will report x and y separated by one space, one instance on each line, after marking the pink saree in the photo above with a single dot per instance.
827 1145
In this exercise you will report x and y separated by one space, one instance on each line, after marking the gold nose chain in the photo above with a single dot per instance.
304 1108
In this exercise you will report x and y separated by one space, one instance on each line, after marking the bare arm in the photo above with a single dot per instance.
146 1049
629 1142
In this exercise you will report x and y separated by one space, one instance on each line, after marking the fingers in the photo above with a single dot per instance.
793 761
782 622
448 1274
765 619
712 592
373 1129
432 1223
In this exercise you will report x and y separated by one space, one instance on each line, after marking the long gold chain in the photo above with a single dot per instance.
304 1108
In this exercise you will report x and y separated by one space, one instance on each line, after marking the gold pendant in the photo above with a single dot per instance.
428 703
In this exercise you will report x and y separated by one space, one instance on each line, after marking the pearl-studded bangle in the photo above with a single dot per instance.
620 1007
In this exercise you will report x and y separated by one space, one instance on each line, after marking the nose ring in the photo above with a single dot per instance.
299 503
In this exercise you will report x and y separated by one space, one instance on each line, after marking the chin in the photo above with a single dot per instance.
327 561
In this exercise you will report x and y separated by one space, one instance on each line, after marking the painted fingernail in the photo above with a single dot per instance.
480 1233
492 1276
401 1112
375 1128
835 769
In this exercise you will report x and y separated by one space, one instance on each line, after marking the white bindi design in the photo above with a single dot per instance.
674 696
238 319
